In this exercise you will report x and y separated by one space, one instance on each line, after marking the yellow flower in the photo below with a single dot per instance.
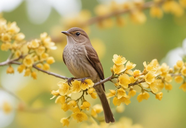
138 17
179 79
28 61
118 60
34 44
130 65
43 36
65 107
40 50
10 70
85 105
17 53
27 72
173 7
121 93
179 64
132 92
125 100
19 37
48 44
50 60
71 104
168 78
46 66
183 3
101 10
75 109
76 86
55 93
136 73
93 113
120 108
39 66
21 68
149 77
36 58
5 46
91 90
155 11
183 87
5 37
13 28
79 116
64 121
157 85
142 96
183 71
111 94
63 88
34 75
86 84
164 69
159 96
60 99
96 109
92 93
124 80
118 69
44 56
168 87
7 108
117 101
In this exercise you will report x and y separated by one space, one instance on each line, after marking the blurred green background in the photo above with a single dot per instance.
138 43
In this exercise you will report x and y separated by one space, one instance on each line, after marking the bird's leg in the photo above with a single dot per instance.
83 79
70 80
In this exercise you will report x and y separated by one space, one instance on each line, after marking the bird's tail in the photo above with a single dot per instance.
106 108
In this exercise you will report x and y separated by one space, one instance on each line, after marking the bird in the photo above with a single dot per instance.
82 61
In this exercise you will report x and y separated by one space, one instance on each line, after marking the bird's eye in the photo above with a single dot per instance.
77 33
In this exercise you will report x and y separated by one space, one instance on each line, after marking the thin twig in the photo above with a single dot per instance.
51 73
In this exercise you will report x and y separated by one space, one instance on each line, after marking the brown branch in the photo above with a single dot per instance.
115 13
103 81
50 73
96 19
15 61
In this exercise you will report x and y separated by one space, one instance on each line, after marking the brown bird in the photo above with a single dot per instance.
82 61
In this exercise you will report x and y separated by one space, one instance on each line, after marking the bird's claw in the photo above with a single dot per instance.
70 80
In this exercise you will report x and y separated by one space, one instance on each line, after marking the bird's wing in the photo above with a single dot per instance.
63 56
93 59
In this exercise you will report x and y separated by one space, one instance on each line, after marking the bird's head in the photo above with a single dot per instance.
76 35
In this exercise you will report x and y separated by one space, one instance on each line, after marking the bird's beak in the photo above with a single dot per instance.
66 33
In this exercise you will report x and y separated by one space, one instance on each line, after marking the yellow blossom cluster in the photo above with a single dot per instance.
37 50
152 79
107 15
38 54
127 81
180 74
79 106
10 36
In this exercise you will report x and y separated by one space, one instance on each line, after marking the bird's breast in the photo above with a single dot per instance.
77 62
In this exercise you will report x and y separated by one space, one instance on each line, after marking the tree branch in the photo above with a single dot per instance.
50 73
